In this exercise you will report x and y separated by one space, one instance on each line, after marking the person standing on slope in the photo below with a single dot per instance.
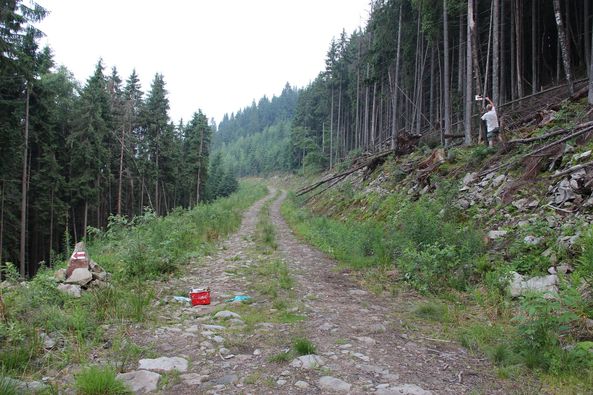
492 125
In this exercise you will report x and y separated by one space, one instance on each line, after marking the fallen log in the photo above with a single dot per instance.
571 170
343 174
549 135
584 128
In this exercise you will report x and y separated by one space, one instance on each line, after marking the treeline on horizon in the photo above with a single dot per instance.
415 69
73 156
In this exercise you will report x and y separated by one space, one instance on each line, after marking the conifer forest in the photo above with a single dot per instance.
75 154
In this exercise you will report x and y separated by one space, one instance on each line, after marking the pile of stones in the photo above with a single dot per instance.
81 274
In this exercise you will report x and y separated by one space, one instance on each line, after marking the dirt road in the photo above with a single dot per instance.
362 343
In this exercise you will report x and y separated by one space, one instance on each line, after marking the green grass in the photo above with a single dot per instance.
96 380
133 251
433 311
8 387
302 346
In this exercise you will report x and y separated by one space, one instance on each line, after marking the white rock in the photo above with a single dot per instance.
469 178
281 382
496 234
164 364
333 384
214 327
226 314
218 339
307 362
80 276
48 342
498 181
361 356
257 352
357 292
583 155
141 381
193 378
325 326
224 351
70 289
366 340
301 384
405 389
377 328
532 240
545 284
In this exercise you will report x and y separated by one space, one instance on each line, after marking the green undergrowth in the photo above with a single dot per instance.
146 248
151 247
430 247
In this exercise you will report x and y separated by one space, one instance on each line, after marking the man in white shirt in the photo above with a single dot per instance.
492 126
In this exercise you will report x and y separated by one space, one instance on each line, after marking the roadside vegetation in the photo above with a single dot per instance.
397 239
139 254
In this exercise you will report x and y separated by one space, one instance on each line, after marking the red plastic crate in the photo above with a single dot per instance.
199 296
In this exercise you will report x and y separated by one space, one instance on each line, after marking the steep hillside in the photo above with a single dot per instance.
502 236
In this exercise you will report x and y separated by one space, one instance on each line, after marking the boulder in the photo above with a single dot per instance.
164 364
404 389
496 234
469 178
333 384
70 289
545 284
80 276
310 361
226 314
141 381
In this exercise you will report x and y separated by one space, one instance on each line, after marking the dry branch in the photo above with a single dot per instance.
343 174
571 170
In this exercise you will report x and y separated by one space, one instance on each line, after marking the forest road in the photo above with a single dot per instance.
363 344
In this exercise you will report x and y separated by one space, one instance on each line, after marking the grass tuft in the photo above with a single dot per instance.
96 380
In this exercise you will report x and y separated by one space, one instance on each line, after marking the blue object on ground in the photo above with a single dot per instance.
239 298
182 298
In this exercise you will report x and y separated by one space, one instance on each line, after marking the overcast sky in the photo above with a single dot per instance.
215 55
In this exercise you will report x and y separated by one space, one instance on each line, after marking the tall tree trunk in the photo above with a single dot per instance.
395 115
446 94
534 49
357 128
156 186
331 129
468 75
142 196
563 46
1 226
588 37
86 218
519 45
513 42
51 226
200 167
121 169
496 54
502 90
591 71
366 110
374 116
431 92
24 184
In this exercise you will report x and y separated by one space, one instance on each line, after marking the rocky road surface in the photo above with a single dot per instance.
362 343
